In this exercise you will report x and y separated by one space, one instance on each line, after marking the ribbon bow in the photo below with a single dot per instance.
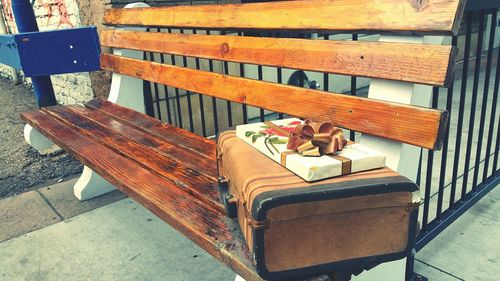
316 139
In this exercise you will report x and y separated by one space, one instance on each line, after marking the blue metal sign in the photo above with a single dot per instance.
52 52
9 54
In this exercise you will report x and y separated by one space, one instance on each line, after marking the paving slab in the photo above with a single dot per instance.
24 213
120 241
469 248
63 200
434 274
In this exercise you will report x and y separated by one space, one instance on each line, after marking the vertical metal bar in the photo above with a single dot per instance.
167 97
243 106
214 100
352 134
200 96
461 107
148 97
165 89
475 87
228 103
177 95
484 104
279 75
259 70
326 76
155 87
188 93
242 74
419 169
444 155
497 148
428 176
410 264
493 105
148 94
26 22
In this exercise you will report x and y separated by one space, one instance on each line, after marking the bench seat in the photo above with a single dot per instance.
142 157
170 171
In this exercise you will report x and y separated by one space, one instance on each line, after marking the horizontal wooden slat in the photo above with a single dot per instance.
411 16
416 63
196 175
208 228
409 124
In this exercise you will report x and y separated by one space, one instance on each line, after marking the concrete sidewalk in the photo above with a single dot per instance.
47 234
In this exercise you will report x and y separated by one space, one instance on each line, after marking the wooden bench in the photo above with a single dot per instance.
173 173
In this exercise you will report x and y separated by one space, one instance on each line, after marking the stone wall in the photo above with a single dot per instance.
91 14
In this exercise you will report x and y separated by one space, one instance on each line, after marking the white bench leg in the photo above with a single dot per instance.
39 141
239 278
91 185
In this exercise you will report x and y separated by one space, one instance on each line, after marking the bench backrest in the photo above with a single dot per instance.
415 63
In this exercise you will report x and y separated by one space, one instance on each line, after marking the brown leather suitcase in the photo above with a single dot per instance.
295 228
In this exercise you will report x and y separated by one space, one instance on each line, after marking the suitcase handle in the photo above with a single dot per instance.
227 199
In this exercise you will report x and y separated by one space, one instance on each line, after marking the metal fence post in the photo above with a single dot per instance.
26 22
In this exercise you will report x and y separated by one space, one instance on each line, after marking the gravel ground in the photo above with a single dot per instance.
21 167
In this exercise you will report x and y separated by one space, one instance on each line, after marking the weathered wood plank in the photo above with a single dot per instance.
416 63
409 124
192 173
365 16
172 150
155 127
207 227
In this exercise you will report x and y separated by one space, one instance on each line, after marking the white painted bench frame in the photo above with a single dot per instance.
403 158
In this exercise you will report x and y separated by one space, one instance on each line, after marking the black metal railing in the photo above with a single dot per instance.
451 180
466 168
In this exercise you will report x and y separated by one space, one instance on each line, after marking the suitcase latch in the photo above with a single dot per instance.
229 201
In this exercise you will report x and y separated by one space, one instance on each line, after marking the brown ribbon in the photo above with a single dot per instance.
346 164
284 154
315 139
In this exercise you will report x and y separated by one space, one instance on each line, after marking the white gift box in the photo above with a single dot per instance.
361 157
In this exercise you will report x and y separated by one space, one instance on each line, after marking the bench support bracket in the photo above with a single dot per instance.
39 141
91 185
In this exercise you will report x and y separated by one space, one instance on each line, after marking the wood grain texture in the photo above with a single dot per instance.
416 63
409 124
155 127
360 16
175 164
208 227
